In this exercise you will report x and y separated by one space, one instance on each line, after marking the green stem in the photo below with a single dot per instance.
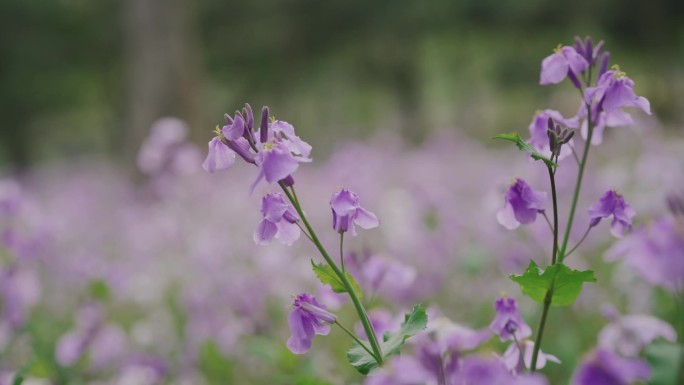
579 243
360 310
342 251
554 196
355 338
540 329
578 184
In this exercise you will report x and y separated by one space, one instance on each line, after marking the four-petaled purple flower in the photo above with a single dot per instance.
612 203
220 157
522 205
279 221
565 61
347 212
614 90
508 322
307 319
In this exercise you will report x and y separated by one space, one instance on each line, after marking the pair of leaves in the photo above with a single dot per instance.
567 283
327 276
391 345
524 146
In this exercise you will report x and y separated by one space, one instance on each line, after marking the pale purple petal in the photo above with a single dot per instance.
366 219
288 233
219 157
554 69
265 232
302 332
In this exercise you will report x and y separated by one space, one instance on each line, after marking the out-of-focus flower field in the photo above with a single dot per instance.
108 279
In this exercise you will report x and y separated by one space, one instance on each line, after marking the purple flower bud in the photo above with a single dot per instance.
522 205
508 323
288 181
597 52
249 116
307 319
675 203
279 221
347 212
229 119
241 147
612 203
263 127
589 49
579 45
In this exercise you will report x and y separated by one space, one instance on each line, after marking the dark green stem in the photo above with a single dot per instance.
360 310
578 243
342 251
578 184
540 329
355 338
554 197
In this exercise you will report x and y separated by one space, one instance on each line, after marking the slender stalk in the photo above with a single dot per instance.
355 338
549 294
578 184
548 222
540 329
579 243
365 321
304 231
342 251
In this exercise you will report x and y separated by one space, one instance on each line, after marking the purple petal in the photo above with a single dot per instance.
220 157
366 219
265 232
554 69
288 233
302 332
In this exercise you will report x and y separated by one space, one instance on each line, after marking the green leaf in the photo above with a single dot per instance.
524 146
567 283
413 324
327 276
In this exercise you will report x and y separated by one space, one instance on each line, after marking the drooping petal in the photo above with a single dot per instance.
302 332
554 69
277 164
265 232
288 233
219 157
506 217
235 130
366 219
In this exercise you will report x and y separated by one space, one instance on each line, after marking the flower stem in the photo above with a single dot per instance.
578 184
360 310
342 251
579 243
554 259
355 338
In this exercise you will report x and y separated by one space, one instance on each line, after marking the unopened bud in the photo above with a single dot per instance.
579 46
249 116
567 137
574 80
604 64
288 181
588 49
263 127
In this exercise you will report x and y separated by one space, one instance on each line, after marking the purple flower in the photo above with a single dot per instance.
656 252
511 357
603 367
565 61
220 157
235 128
307 319
347 212
522 205
612 203
629 334
539 138
614 90
279 221
508 322
480 371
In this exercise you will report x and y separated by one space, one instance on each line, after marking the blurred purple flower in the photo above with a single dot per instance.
563 62
347 212
614 90
628 335
612 203
307 319
279 221
522 205
603 367
508 323
480 371
539 127
656 252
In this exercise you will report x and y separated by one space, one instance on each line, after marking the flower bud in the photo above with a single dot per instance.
249 116
263 127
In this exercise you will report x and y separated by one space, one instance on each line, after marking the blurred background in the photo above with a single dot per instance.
81 77
111 277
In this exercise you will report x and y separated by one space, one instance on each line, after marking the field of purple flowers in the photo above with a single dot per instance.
190 277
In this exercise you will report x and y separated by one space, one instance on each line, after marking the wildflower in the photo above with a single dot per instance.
539 138
307 319
565 61
522 205
603 367
347 212
628 335
614 90
279 221
612 203
508 322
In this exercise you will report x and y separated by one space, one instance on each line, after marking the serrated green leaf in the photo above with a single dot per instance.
327 276
567 283
524 146
413 324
